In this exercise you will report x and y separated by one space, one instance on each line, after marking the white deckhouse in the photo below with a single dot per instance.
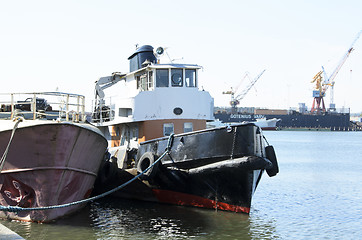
151 101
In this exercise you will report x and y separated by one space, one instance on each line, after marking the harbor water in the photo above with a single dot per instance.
316 195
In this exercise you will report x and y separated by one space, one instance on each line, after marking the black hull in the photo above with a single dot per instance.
332 121
220 187
218 168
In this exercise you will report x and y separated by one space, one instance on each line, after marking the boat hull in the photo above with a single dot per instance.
333 121
228 189
267 124
49 164
215 168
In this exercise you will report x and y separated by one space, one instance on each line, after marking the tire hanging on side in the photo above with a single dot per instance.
146 160
270 154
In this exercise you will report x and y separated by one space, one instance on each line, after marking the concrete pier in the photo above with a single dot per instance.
6 233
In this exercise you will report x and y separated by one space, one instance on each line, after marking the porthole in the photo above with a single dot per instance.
177 111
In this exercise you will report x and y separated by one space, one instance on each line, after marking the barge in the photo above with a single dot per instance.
50 154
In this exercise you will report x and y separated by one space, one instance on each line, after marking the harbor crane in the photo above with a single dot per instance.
323 82
235 100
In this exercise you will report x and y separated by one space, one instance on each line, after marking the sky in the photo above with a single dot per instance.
67 45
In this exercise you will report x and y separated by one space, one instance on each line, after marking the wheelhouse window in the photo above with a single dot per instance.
190 78
162 78
145 81
168 129
150 80
142 82
176 77
188 127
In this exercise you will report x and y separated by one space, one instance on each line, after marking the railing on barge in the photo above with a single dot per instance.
43 105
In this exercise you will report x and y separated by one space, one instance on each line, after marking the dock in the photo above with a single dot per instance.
6 233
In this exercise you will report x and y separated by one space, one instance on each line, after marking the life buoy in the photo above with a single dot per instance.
270 154
146 160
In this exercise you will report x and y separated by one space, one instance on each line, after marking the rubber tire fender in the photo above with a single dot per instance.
270 154
146 160
106 172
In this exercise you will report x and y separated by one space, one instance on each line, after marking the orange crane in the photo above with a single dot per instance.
235 100
323 82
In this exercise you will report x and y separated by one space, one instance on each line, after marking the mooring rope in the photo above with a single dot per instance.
18 209
266 140
5 154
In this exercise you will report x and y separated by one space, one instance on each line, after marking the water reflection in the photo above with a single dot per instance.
262 226
113 218
142 220
77 226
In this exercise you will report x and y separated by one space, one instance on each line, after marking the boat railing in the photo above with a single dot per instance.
43 105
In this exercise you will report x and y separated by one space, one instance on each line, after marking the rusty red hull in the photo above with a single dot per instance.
49 164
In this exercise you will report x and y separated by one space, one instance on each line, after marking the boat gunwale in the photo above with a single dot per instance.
199 131
48 168
40 122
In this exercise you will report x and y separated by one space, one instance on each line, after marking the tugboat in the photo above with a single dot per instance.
50 154
156 105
